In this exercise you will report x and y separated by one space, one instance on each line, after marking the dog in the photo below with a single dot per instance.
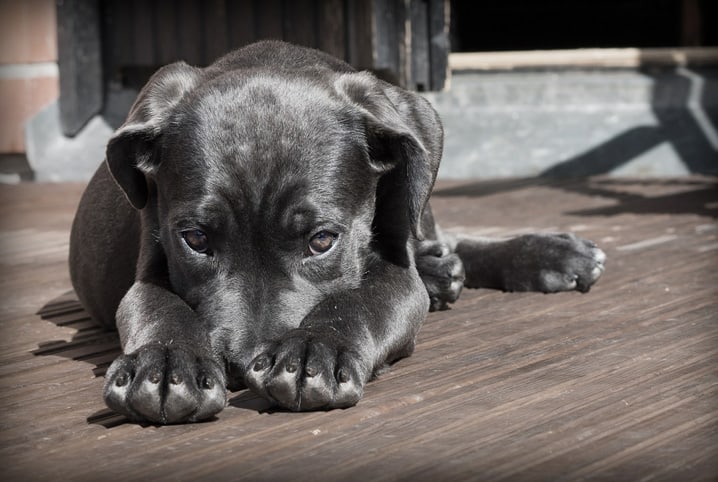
263 223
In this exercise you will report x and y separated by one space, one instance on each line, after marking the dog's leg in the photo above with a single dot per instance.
168 373
441 271
340 345
534 262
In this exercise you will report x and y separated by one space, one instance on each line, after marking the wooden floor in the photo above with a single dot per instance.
617 384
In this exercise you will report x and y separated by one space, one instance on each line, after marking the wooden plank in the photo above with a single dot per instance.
691 23
240 23
269 19
80 63
118 38
190 35
420 48
360 34
143 31
604 58
215 29
332 31
300 22
439 44
166 32
620 383
391 48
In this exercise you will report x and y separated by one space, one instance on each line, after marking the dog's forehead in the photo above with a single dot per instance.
272 141
268 115
255 122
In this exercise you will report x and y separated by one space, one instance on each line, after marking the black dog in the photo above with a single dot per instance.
263 222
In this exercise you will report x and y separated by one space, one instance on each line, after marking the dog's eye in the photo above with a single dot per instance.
196 240
321 242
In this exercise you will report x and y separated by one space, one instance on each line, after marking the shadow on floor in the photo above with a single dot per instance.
688 195
90 344
685 111
99 347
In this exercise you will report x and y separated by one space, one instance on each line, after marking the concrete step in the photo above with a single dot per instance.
658 122
560 123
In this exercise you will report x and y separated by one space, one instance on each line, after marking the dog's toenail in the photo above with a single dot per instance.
154 378
175 379
292 366
342 376
311 371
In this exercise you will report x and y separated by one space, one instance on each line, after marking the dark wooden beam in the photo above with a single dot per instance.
439 44
80 63
420 49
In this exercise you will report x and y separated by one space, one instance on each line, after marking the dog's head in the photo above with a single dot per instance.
268 192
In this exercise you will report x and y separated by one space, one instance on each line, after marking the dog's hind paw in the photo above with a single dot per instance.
441 271
308 370
165 385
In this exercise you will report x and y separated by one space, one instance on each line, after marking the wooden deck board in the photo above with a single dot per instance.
617 384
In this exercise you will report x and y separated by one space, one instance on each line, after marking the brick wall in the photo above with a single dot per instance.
28 66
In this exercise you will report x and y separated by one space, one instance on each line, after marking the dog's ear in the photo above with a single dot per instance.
404 138
132 154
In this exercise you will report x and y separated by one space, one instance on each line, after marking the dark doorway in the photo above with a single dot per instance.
569 24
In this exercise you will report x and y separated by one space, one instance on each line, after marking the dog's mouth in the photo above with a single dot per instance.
235 376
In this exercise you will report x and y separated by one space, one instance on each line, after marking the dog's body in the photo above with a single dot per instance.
277 236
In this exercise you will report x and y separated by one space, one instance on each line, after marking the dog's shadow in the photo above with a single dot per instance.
98 347
90 344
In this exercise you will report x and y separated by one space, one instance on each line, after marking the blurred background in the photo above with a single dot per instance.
559 88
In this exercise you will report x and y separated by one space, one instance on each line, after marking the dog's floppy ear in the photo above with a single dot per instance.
404 138
132 152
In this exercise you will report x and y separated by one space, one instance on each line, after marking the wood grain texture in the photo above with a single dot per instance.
617 384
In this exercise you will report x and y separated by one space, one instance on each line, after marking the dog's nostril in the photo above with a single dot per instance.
121 380
342 376
207 383
292 366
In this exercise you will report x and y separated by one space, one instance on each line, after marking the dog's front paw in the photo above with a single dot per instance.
308 370
165 384
441 271
555 262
